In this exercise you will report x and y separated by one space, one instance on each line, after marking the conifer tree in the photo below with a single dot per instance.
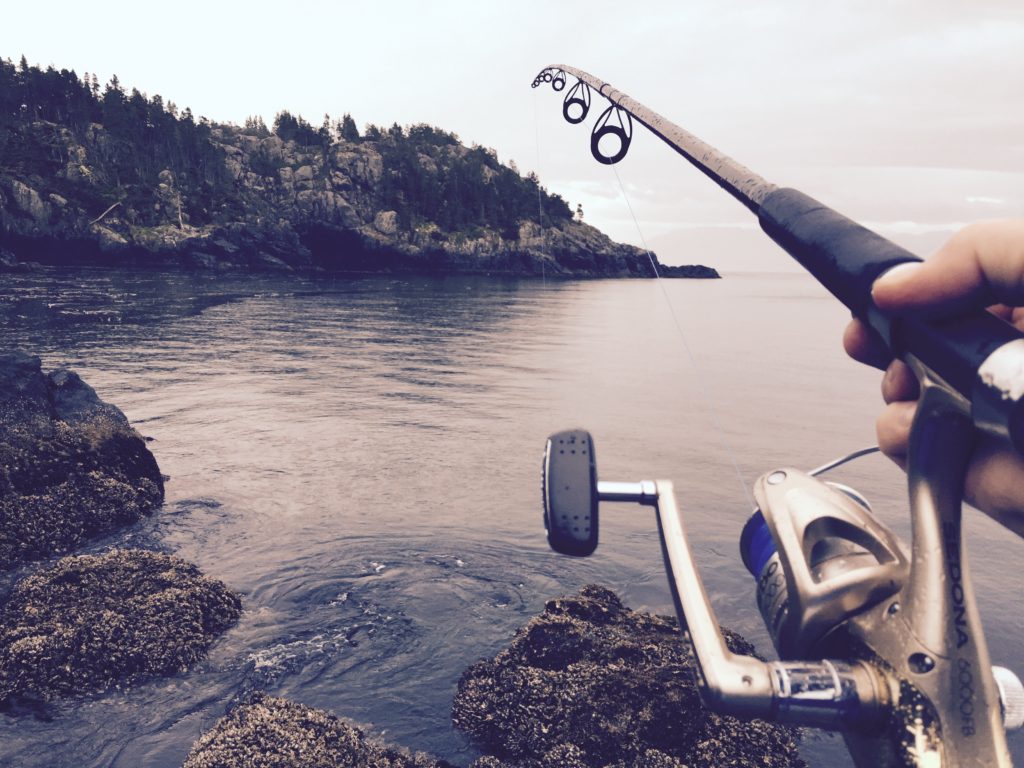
349 131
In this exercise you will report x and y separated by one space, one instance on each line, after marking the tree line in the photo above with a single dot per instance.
429 176
143 136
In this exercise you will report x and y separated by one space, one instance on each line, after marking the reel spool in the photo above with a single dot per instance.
819 556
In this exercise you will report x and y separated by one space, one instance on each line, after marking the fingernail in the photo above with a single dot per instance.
896 276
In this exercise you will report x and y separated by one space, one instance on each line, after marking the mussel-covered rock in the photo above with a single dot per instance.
590 683
71 466
93 621
274 733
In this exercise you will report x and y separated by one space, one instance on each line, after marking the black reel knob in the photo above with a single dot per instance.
569 489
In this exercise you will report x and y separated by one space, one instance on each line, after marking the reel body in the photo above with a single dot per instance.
819 557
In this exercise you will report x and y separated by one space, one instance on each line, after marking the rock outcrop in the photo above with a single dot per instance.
271 733
91 622
590 683
698 271
10 263
71 466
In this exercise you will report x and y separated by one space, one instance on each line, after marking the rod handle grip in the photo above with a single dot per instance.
847 258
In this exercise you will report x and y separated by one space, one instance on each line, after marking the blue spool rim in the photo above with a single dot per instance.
756 544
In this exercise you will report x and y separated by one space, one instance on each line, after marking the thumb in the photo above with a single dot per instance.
980 265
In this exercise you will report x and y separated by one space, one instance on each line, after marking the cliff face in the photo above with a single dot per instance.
281 205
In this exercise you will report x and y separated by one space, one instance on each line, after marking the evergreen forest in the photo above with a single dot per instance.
130 138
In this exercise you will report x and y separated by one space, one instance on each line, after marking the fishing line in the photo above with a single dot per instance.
702 389
701 385
540 205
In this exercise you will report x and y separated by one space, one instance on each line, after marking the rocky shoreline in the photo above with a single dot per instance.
71 466
567 252
586 684
73 469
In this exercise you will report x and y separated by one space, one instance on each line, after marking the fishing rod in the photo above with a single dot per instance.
878 640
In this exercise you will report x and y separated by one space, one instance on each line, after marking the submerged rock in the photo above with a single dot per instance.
275 733
92 621
71 466
590 683
9 263
698 271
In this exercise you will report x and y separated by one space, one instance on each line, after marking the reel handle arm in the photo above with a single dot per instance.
825 694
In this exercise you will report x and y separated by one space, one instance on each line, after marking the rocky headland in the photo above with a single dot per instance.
91 176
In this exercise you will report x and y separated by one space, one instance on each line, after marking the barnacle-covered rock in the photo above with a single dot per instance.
590 683
92 621
274 733
71 466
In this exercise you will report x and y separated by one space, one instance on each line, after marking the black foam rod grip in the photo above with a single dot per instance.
846 258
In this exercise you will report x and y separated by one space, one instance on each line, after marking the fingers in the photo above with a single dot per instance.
893 430
899 383
864 346
981 264
993 484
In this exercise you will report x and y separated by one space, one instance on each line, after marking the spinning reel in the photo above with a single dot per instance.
877 641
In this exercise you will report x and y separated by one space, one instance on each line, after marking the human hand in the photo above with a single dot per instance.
980 266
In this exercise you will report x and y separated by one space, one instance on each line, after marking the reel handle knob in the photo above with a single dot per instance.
569 490
1011 697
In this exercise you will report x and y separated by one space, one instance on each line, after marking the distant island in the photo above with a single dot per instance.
105 176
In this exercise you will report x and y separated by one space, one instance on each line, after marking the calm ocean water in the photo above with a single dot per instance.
360 459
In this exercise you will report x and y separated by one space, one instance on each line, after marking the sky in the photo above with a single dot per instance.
907 115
